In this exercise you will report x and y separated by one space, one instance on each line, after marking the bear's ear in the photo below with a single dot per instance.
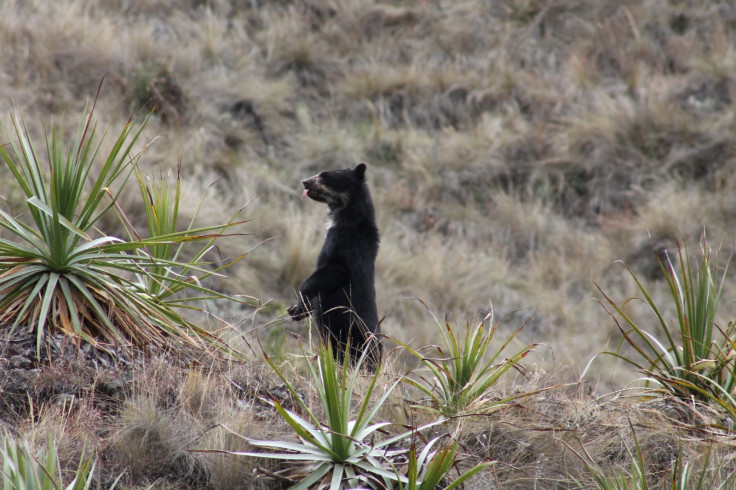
360 170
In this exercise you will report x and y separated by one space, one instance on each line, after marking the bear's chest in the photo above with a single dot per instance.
330 248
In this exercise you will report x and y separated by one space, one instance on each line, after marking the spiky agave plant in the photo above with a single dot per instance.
342 451
429 468
167 273
23 470
464 369
689 355
58 272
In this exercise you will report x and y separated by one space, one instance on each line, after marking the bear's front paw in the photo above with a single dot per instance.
296 312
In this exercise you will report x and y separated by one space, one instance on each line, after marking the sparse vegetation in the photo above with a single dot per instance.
518 149
683 474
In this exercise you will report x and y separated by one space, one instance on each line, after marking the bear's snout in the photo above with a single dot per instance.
312 183
313 189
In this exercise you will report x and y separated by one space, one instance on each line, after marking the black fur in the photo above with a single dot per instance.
340 294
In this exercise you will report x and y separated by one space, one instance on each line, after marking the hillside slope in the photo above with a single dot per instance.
517 151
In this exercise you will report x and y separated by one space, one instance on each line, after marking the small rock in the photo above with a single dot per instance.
67 400
19 380
21 362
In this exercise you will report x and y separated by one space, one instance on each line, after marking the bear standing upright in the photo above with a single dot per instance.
340 294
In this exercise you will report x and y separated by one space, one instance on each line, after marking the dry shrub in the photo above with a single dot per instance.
172 413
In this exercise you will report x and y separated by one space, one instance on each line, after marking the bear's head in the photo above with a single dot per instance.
336 188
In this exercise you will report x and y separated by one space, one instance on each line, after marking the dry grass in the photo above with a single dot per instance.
516 150
171 413
153 435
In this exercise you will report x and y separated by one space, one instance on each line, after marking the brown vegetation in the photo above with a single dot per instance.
518 150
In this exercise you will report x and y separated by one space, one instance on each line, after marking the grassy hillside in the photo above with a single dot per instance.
517 151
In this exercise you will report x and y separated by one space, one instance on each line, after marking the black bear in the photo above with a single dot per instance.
340 294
